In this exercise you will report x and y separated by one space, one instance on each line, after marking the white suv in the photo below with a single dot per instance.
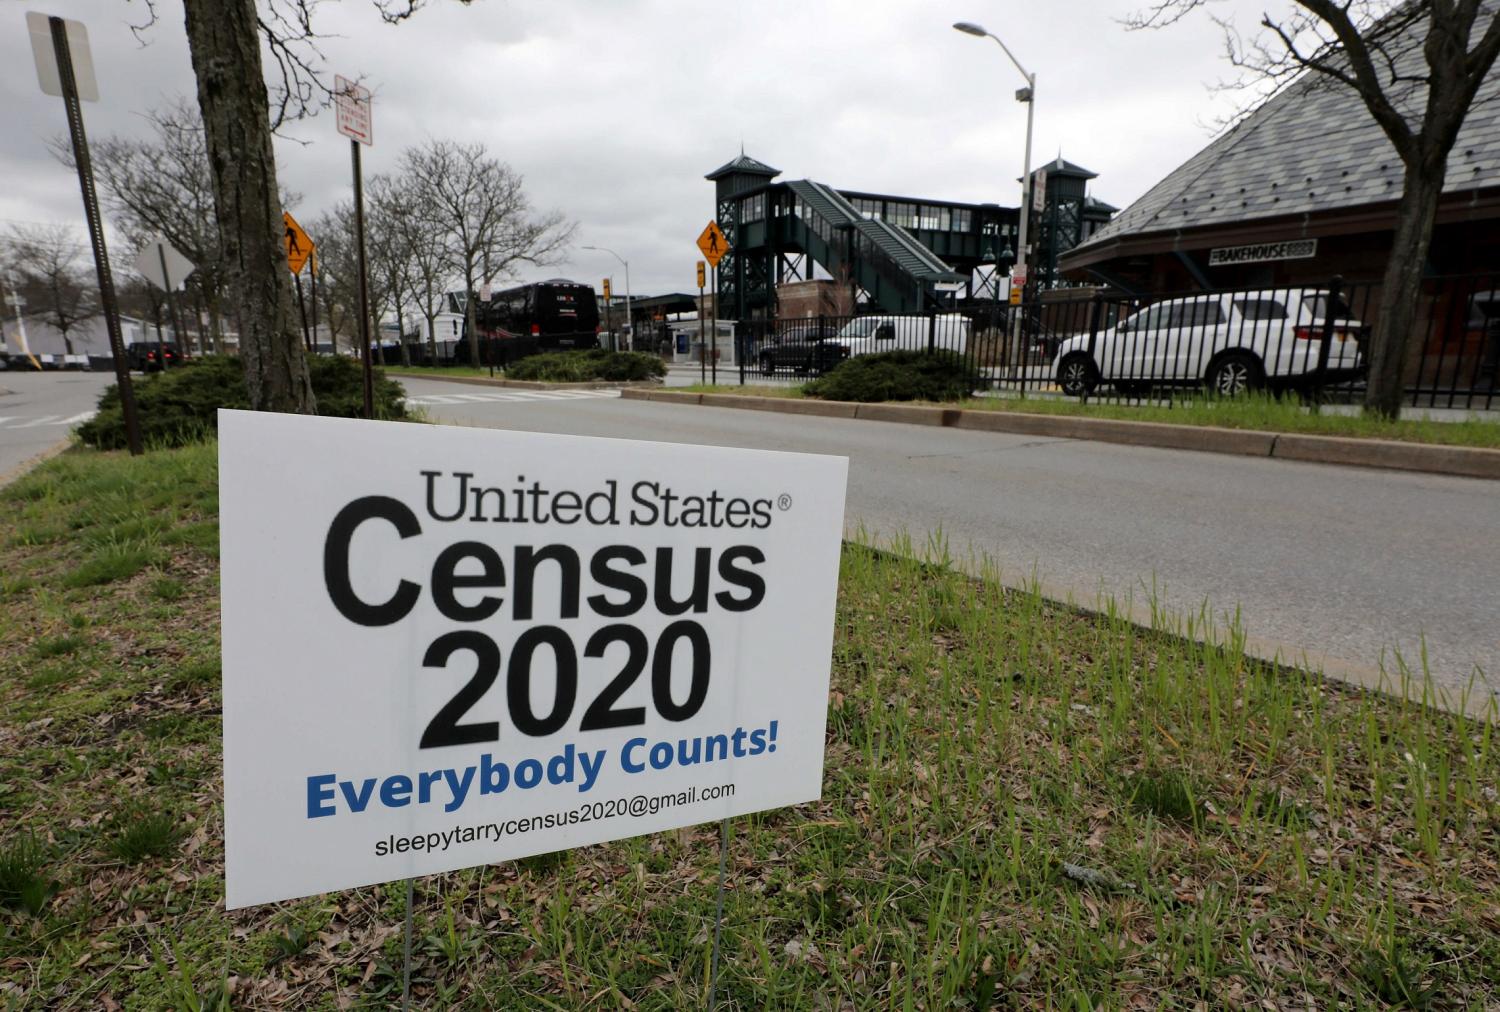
1232 342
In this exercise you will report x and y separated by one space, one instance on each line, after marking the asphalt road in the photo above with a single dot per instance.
39 409
1337 565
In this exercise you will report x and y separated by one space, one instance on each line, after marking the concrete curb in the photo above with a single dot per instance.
1384 454
485 381
1465 461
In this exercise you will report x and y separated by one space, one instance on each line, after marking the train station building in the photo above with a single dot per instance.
1301 190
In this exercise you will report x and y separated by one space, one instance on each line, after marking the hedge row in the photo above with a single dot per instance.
181 405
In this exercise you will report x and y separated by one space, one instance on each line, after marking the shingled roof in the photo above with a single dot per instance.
1311 147
744 163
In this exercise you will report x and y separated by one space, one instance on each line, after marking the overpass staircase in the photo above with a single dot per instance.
899 273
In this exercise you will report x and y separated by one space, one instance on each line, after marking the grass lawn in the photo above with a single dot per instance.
1023 807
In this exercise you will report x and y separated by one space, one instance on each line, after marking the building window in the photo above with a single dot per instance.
754 208
867 207
902 215
962 219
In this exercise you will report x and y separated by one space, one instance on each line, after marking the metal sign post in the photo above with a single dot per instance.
165 268
353 104
702 361
161 254
299 250
312 280
302 309
57 76
714 245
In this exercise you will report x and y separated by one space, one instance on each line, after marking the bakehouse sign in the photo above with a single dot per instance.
1295 249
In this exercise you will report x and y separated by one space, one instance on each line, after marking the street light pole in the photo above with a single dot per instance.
629 313
1027 95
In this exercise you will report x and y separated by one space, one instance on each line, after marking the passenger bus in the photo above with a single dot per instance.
556 315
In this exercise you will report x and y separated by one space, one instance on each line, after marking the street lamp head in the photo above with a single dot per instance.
970 28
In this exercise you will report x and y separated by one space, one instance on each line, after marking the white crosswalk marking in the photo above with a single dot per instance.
45 420
509 395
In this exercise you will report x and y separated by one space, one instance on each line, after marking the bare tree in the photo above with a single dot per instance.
338 273
483 211
423 238
162 185
239 115
388 254
1416 66
54 280
338 296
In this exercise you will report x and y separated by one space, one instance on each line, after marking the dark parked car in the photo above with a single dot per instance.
152 356
802 347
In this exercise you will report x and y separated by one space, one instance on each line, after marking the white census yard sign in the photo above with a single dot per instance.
448 647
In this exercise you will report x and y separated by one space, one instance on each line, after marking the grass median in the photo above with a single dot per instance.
1023 806
1259 412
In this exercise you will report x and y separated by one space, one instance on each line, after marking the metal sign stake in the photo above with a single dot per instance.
406 955
713 971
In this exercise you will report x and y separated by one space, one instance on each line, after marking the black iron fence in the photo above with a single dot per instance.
1313 339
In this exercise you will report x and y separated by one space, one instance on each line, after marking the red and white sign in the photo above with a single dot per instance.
352 102
1018 276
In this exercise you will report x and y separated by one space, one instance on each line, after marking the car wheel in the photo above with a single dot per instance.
1077 375
1234 374
768 365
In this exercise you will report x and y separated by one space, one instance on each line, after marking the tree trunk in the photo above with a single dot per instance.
215 326
401 338
1401 289
224 38
470 317
432 340
67 343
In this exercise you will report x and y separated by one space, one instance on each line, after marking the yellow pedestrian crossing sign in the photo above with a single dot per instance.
713 244
298 246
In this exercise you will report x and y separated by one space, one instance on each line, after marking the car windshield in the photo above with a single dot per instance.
857 328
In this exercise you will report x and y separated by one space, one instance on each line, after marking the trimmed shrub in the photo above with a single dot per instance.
898 376
596 364
180 406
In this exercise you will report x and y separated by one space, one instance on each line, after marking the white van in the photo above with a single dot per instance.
867 335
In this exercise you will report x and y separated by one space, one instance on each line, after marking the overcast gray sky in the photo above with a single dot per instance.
614 109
